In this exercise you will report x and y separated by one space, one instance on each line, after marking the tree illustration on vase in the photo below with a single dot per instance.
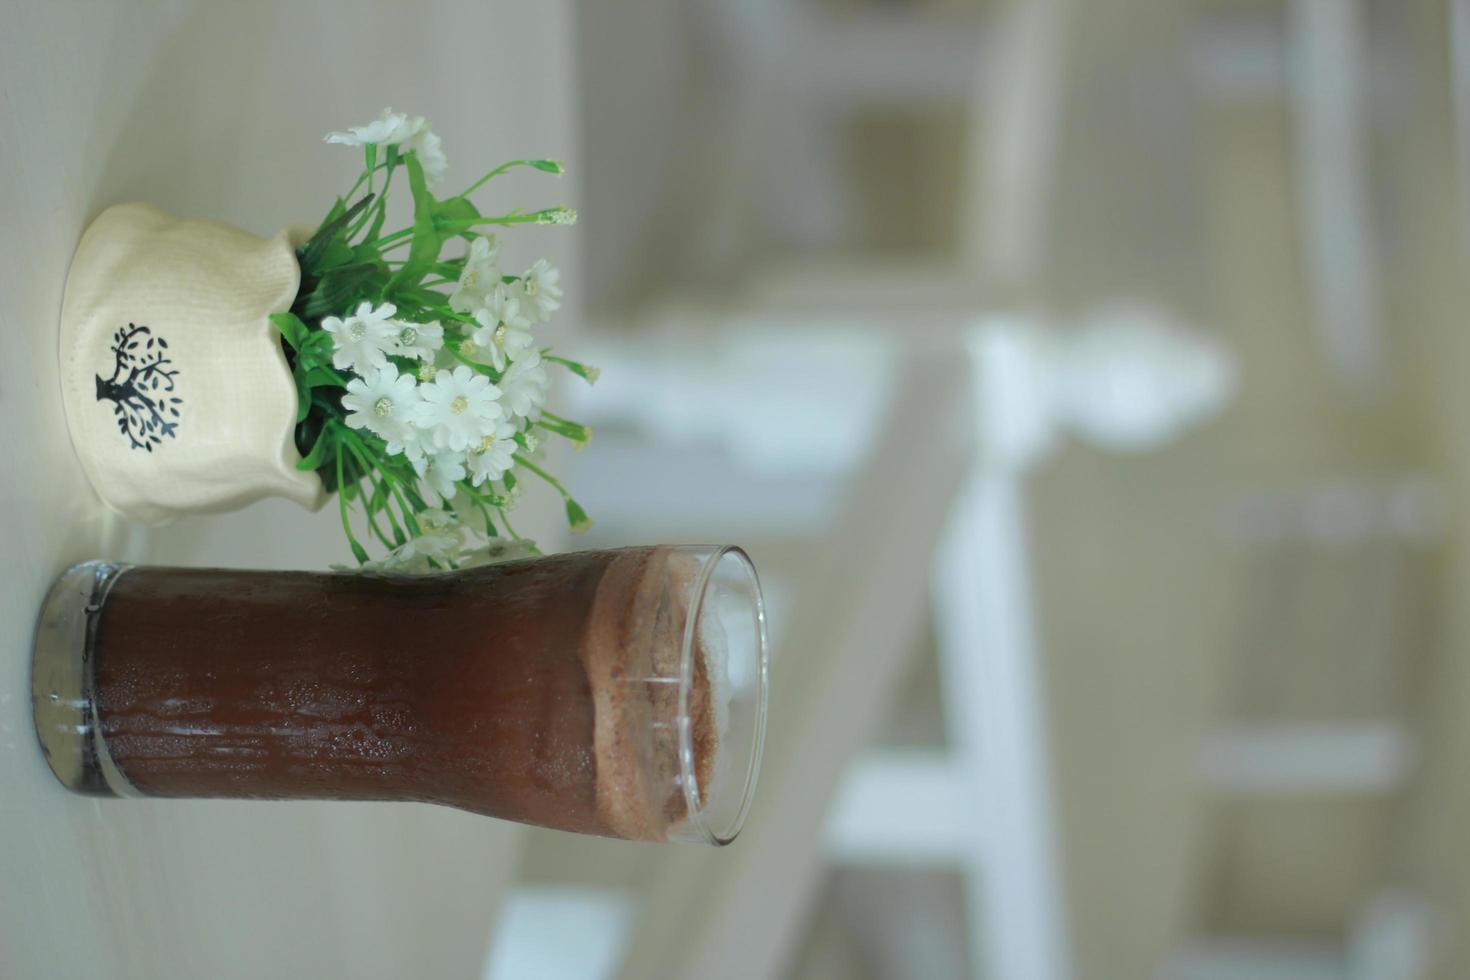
141 387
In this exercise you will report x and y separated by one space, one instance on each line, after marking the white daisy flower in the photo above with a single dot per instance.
440 472
426 146
417 340
360 340
503 332
412 442
492 457
386 403
410 134
541 291
389 128
480 276
524 385
458 408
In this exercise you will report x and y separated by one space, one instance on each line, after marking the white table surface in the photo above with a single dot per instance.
216 110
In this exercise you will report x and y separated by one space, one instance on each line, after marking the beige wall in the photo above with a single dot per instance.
1143 606
1432 842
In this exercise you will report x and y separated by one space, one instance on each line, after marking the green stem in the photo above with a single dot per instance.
363 178
357 549
409 509
455 226
494 500
378 531
377 459
398 236
484 513
380 206
504 220
576 367
523 461
484 369
492 174
449 313
506 521
377 481
579 434
397 484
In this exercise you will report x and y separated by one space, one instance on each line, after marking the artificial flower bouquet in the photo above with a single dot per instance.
422 378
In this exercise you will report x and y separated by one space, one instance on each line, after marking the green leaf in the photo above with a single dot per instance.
549 166
314 459
321 377
337 253
293 331
303 399
456 209
427 239
337 209
310 254
318 347
367 252
358 552
339 287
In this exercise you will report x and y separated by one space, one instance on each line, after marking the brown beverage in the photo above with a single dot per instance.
584 692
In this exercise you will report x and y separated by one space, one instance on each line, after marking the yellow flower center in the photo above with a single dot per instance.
460 405
383 407
484 446
467 347
408 337
532 286
472 279
426 373
357 331
499 335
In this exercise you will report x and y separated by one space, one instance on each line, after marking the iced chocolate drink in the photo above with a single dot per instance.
618 693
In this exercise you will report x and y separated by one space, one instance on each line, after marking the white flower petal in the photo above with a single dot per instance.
390 127
458 408
524 386
360 341
541 291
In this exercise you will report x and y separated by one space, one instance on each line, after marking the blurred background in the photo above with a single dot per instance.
1087 381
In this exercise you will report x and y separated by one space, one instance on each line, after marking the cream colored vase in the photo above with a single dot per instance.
177 391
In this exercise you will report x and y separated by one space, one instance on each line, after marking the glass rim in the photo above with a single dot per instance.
696 819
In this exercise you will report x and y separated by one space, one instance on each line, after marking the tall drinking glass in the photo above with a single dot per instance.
619 693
